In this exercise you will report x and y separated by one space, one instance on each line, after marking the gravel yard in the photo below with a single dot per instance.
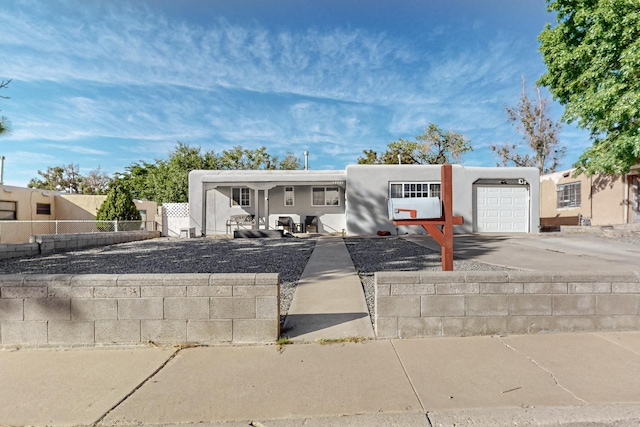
371 254
285 256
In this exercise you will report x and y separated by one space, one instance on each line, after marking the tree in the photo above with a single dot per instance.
593 68
97 182
59 178
168 180
4 122
118 206
434 147
539 134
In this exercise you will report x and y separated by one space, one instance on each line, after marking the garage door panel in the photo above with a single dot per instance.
502 209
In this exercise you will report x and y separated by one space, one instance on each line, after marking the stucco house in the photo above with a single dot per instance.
595 200
30 204
354 201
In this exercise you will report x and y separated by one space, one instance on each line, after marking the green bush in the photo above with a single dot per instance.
119 206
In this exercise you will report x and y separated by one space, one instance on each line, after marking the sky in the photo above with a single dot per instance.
110 83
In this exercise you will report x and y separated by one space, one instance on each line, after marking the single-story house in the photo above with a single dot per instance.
594 200
30 204
354 201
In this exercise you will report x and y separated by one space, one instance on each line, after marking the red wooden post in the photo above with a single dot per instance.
444 237
447 229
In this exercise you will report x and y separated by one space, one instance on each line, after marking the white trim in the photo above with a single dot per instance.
326 200
292 196
406 189
241 199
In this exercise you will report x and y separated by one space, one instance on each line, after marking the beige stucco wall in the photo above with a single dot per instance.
84 207
63 206
78 206
603 198
26 200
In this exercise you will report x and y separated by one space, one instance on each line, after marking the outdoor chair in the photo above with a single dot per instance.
311 224
286 222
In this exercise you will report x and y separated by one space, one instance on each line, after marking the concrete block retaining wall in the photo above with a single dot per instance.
19 250
104 309
48 243
418 304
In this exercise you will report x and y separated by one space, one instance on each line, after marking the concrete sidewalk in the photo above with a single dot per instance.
586 379
329 301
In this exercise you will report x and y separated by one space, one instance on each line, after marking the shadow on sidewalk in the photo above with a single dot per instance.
300 324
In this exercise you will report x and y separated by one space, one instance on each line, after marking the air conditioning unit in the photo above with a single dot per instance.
415 208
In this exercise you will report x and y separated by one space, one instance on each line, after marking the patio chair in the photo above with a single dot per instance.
311 224
286 222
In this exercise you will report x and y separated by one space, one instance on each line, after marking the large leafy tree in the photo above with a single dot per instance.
4 122
59 178
593 68
168 180
540 146
434 146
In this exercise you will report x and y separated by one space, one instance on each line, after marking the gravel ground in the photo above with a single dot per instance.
371 254
285 256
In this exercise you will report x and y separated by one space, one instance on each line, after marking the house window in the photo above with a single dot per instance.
43 209
569 195
289 199
325 196
399 190
240 196
7 211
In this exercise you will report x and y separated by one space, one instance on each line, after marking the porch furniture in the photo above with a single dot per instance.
243 221
311 224
286 222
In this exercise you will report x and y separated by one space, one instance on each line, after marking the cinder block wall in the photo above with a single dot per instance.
49 243
18 250
419 304
105 309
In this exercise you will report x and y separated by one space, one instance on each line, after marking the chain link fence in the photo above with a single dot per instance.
20 231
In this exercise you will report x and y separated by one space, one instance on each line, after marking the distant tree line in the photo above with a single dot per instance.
163 180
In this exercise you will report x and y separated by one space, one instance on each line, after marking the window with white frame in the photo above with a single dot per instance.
289 197
325 196
399 190
240 196
569 195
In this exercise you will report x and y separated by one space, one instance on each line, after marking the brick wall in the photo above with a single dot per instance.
417 304
90 309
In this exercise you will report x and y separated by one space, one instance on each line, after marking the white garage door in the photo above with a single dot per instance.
502 209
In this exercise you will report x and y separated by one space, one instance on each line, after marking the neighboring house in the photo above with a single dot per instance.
595 200
354 201
28 204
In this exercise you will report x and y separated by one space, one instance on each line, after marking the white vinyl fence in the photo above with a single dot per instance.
175 216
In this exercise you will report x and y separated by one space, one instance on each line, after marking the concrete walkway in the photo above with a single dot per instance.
544 252
329 301
586 379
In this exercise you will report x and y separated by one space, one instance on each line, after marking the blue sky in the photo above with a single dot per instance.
109 83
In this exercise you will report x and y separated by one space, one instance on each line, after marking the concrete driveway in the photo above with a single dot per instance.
543 252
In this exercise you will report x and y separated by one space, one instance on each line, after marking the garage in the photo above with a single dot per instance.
501 206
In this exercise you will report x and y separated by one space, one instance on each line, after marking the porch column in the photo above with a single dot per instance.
265 187
256 225
266 209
